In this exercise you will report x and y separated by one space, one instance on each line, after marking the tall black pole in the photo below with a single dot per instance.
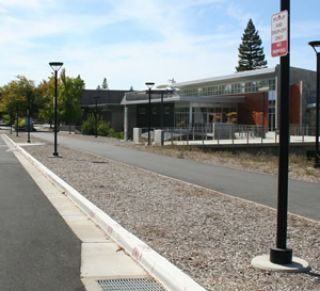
161 118
149 115
317 153
281 254
17 119
161 110
11 125
96 117
149 85
29 117
55 153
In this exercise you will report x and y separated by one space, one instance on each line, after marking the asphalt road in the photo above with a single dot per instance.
304 197
38 251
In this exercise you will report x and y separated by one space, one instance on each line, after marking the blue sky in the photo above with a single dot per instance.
133 41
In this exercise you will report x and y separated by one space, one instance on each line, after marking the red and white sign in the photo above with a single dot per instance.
279 34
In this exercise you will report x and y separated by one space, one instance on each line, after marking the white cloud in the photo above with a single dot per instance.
6 5
26 47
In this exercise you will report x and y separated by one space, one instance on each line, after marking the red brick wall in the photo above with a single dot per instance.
295 104
254 108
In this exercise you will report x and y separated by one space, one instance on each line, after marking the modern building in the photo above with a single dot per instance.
107 103
248 98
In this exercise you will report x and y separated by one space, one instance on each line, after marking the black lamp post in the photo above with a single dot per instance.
161 110
161 117
316 47
17 118
281 254
29 116
96 98
56 66
149 85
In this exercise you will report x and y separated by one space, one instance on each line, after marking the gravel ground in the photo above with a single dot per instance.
210 236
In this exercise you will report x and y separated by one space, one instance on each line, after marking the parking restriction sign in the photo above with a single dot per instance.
279 34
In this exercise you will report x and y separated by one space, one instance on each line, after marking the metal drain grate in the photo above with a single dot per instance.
139 284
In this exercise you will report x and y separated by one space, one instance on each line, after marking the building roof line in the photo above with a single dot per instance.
234 76
199 99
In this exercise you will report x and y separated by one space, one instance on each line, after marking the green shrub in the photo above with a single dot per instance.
89 127
86 127
22 123
6 119
118 134
103 128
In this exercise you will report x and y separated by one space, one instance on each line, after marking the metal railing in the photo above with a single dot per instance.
223 133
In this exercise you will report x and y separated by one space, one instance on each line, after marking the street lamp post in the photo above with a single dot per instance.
149 85
161 118
56 66
29 116
17 118
96 98
316 47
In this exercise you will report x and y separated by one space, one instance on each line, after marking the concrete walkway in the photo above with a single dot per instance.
105 245
38 251
303 196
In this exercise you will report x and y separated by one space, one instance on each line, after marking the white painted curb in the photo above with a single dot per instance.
157 266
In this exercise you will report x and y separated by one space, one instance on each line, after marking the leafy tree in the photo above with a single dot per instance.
46 91
71 91
69 95
15 96
251 55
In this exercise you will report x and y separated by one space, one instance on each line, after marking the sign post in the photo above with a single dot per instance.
280 257
280 47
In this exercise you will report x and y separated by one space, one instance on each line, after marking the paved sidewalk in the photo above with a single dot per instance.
38 251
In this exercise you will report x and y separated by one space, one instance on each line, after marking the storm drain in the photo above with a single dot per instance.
137 284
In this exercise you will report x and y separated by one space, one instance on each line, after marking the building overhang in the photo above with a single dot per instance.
144 99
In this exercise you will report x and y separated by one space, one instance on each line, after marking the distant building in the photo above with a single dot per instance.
250 97
108 104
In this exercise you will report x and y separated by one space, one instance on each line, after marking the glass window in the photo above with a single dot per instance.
142 110
229 88
167 110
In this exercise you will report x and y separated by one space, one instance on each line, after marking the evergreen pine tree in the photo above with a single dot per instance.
251 55
105 84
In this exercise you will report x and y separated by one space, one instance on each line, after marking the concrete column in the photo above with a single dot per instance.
190 115
158 136
137 135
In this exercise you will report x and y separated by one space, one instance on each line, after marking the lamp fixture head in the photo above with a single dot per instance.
315 45
56 66
149 84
